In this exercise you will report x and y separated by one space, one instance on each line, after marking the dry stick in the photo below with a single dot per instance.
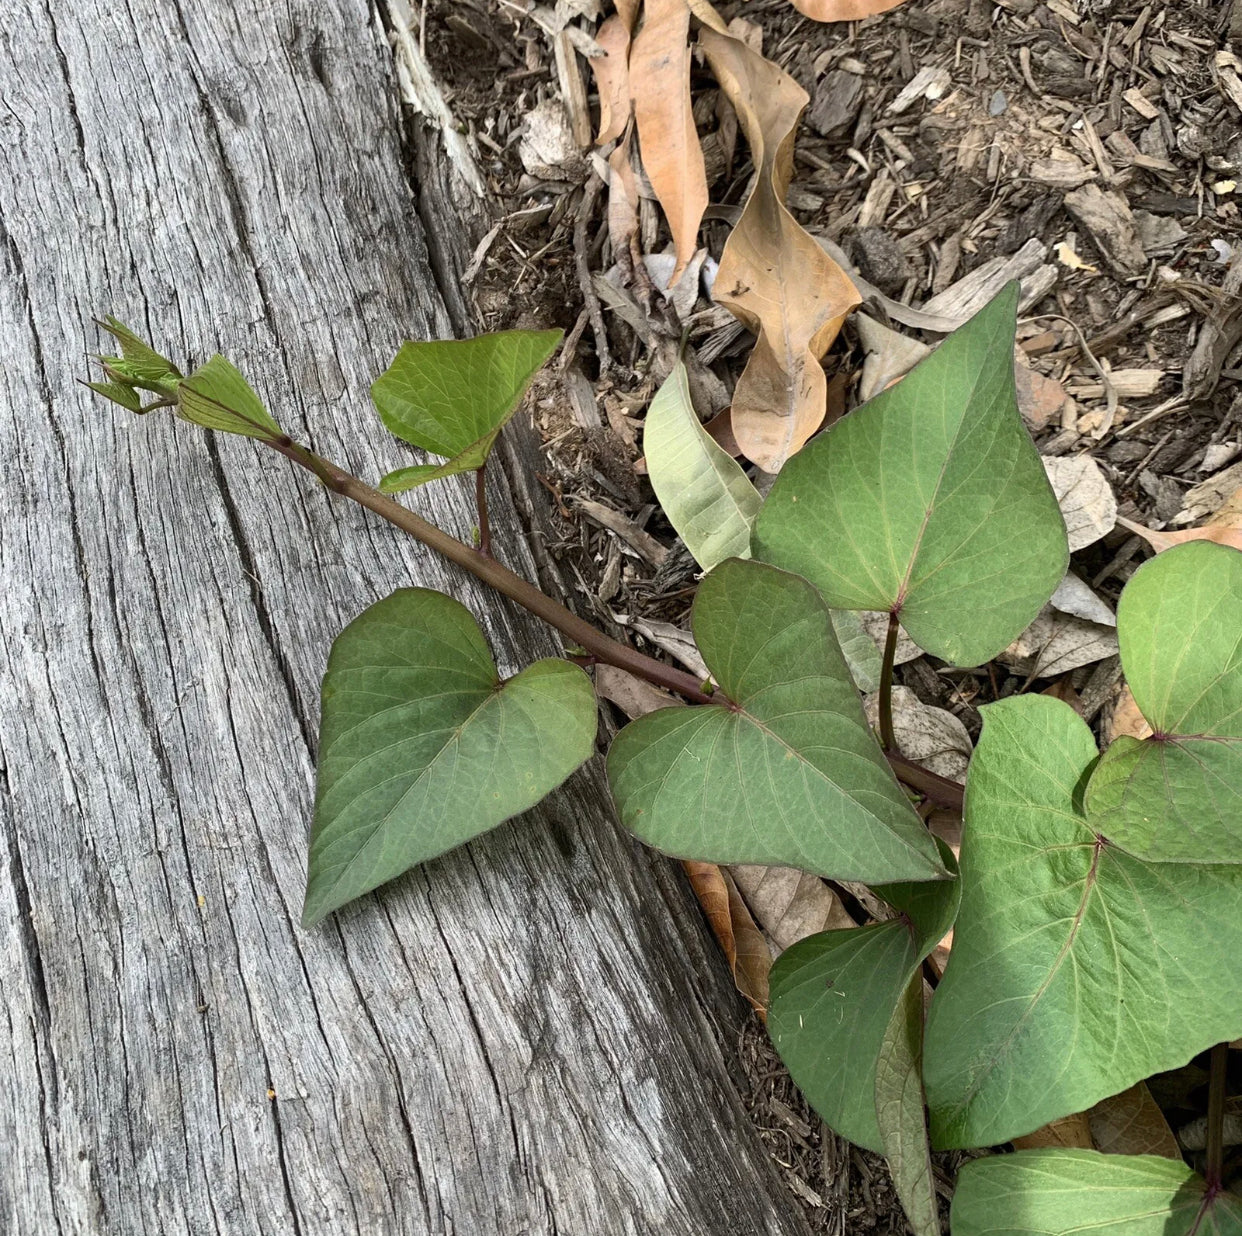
590 192
497 575
1217 1077
887 740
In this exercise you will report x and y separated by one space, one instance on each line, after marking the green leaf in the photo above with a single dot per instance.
471 459
137 350
833 996
1070 1192
423 747
1077 969
1178 797
704 492
216 396
118 392
452 396
930 500
902 1114
782 770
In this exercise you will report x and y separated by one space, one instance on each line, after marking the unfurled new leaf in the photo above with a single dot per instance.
216 396
901 1111
703 490
423 747
930 501
782 770
1076 969
1177 796
137 351
453 396
1072 1192
119 393
834 995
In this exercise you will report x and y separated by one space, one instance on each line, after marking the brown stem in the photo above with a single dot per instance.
480 501
577 630
497 576
887 741
1217 1077
939 789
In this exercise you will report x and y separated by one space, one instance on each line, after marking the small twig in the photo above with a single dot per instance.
480 501
887 740
1176 404
1217 1078
590 194
1110 391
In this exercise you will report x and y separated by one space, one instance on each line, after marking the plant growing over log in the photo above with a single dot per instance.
1097 911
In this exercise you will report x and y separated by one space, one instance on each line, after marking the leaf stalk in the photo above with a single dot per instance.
1218 1069
496 575
887 741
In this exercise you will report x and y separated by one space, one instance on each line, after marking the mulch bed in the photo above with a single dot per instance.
939 136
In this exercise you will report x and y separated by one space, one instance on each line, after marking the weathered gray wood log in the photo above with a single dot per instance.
530 1036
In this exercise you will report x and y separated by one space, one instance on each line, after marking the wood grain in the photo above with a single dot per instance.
532 1035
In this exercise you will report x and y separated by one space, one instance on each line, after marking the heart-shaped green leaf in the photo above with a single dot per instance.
423 747
1071 1192
929 501
1077 969
452 397
833 996
783 771
702 488
1177 797
216 396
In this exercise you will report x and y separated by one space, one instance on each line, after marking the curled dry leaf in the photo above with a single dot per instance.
622 204
1072 1130
843 10
1132 1123
612 78
1056 643
634 696
660 87
932 737
1086 498
788 904
773 276
1126 720
1225 528
889 355
740 940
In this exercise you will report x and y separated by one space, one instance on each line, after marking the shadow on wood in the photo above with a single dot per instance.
531 1035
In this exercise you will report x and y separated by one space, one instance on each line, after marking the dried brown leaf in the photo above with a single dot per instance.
660 87
790 905
631 694
843 10
740 940
1225 528
1126 720
1072 1131
1086 498
932 737
773 276
1132 1123
627 10
622 203
612 78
